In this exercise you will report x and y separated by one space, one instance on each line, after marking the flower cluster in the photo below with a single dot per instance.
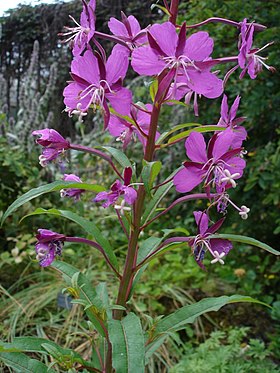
183 69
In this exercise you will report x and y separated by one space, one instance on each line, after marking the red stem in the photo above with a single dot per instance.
99 153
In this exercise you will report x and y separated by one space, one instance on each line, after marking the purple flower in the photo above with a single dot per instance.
118 189
228 119
74 193
128 30
96 82
188 57
52 142
82 33
248 58
49 245
137 125
217 247
218 165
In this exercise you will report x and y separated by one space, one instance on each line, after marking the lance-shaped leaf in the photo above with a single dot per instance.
164 135
42 346
149 173
87 225
95 308
21 363
182 135
119 156
52 187
127 339
188 314
247 240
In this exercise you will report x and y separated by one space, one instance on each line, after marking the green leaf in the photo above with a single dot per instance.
119 156
127 339
87 225
174 129
201 129
248 240
149 173
148 246
153 89
55 186
158 196
21 363
188 314
86 292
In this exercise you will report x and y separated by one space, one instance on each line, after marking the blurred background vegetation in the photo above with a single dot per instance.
34 68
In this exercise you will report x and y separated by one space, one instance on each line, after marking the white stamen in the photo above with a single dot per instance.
62 193
229 178
218 257
42 161
244 212
122 207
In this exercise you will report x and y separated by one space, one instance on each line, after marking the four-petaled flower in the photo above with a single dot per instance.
248 58
74 193
118 189
52 142
49 245
217 247
218 164
96 81
82 33
136 123
128 30
228 119
188 57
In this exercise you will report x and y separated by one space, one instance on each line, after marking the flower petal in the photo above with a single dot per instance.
166 37
188 178
146 62
196 147
202 221
199 46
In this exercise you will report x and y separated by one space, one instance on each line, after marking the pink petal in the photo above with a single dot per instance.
224 109
234 108
130 195
205 83
120 100
115 126
196 147
188 178
166 37
199 46
86 67
117 64
146 62
202 221
222 143
220 245
134 25
117 27
71 95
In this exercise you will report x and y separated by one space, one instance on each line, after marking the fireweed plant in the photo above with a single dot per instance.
181 68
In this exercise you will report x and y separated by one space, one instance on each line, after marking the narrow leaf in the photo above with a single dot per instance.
55 186
174 129
21 363
127 339
119 156
188 314
247 240
149 173
201 129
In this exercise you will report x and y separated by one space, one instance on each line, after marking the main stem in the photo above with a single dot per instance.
128 273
